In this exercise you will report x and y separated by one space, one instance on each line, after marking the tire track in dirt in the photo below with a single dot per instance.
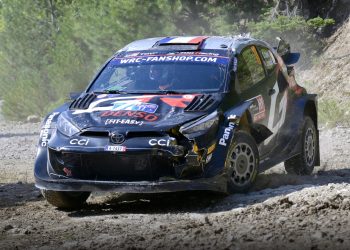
308 212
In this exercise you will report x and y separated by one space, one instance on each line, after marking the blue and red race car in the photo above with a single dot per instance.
179 113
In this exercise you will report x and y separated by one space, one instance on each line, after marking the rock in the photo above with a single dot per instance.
317 235
207 220
8 227
33 119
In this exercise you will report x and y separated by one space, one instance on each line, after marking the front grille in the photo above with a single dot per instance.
200 103
111 167
95 133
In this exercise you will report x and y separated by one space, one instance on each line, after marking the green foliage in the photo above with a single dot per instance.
296 30
53 47
319 22
332 113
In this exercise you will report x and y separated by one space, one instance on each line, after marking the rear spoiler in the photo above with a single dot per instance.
283 49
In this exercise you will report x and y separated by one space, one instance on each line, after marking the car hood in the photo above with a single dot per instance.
139 112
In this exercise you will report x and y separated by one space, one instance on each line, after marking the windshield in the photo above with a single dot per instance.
158 73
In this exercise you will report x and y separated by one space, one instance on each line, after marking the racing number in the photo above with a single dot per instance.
272 125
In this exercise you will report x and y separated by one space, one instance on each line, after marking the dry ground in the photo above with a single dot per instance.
283 211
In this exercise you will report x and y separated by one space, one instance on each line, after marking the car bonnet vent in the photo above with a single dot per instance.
82 102
200 103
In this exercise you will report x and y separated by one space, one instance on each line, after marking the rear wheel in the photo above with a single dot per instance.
242 162
66 200
304 163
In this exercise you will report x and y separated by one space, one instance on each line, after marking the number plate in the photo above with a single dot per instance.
115 148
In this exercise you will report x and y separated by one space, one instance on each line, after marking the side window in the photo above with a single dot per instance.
250 69
269 59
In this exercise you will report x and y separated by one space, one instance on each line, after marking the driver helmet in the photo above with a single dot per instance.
158 73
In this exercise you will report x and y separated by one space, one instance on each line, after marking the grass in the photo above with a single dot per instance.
333 113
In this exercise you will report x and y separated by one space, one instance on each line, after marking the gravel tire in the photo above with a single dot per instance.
66 200
242 162
304 163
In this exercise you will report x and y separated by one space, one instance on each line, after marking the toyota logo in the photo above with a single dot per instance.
117 138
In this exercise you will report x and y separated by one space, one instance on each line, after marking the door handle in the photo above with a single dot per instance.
271 92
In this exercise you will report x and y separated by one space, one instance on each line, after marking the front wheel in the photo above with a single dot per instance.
304 163
242 163
66 200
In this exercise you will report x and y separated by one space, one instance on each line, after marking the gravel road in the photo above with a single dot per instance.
282 211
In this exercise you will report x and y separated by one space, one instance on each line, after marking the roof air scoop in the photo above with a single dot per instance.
190 42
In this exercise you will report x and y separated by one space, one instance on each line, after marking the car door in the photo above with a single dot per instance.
257 81
276 92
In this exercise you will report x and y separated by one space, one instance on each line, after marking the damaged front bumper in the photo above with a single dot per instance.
57 166
217 184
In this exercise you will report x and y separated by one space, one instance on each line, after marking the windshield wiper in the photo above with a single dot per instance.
106 91
169 92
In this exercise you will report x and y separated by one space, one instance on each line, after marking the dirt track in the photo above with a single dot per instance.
283 211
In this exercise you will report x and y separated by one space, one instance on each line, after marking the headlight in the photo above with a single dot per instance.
66 127
201 125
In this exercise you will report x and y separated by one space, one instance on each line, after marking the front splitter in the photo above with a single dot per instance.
218 184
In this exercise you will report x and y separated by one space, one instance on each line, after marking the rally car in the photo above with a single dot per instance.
179 113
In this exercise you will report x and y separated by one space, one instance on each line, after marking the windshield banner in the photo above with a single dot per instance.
169 58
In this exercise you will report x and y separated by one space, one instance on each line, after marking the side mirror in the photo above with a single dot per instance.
283 48
292 58
74 95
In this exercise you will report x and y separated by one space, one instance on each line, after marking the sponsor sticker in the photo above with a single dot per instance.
226 135
170 58
257 108
115 148
135 105
159 142
102 96
132 114
81 142
138 104
44 134
189 97
123 121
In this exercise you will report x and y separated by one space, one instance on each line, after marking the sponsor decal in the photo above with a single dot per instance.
183 40
67 171
102 96
135 105
159 142
198 53
133 114
138 103
235 64
171 58
44 134
123 121
277 112
94 106
115 148
189 97
257 108
81 142
226 135
179 102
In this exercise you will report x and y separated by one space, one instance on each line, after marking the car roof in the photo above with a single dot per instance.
228 43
